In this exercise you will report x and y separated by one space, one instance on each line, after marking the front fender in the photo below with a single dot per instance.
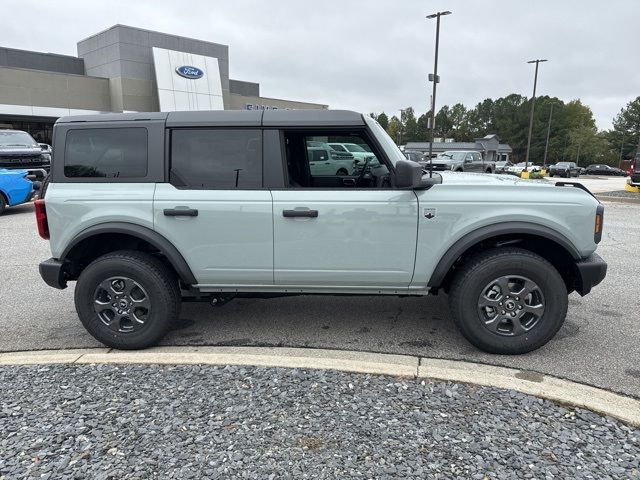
470 239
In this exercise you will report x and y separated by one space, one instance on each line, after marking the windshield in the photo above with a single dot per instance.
458 156
16 139
352 147
562 164
388 145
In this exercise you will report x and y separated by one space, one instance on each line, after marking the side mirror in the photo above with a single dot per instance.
410 175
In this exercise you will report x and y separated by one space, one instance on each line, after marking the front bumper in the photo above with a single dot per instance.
591 271
52 272
634 180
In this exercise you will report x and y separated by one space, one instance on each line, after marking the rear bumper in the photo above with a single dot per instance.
591 271
52 272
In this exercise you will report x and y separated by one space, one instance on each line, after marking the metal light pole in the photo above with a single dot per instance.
533 102
435 79
546 145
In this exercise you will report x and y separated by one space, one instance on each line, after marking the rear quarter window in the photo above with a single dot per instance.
216 158
106 153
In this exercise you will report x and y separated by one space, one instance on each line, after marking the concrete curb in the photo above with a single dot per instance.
605 198
544 386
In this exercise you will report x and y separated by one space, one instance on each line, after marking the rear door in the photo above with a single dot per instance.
214 209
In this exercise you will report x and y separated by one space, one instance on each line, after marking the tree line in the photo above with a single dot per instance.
573 135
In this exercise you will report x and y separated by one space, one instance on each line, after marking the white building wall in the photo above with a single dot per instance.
176 93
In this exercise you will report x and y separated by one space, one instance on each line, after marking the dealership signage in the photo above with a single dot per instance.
190 72
255 106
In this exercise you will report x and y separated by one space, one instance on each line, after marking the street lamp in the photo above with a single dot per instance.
435 79
533 102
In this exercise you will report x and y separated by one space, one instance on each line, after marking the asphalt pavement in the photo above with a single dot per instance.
598 345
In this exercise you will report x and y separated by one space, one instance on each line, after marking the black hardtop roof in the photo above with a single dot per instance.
232 118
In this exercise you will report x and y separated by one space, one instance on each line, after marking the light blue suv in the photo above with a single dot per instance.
145 210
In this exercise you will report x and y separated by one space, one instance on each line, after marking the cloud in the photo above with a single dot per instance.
375 56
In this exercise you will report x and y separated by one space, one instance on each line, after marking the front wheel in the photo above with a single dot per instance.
127 299
508 301
3 203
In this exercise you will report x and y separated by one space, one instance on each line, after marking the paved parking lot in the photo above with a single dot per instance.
596 184
597 345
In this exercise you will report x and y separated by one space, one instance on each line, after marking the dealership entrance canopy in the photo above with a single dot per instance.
122 69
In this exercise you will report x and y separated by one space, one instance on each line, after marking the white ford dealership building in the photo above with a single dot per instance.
122 69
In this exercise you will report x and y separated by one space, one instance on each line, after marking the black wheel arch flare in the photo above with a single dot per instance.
471 239
159 242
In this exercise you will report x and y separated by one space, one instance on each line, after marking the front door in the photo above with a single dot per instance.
215 210
337 231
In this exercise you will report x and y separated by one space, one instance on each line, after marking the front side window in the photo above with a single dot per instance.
313 160
106 153
216 158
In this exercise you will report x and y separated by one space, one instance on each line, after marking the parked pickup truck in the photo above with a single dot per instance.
145 210
461 161
18 150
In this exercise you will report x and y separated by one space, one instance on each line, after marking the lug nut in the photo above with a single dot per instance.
513 314
503 312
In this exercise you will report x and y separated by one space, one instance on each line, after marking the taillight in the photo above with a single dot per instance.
41 219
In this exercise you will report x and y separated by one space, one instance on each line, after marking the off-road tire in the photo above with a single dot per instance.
479 271
3 203
159 283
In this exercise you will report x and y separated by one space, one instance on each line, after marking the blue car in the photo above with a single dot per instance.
15 188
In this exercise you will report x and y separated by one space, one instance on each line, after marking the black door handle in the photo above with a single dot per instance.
300 213
180 212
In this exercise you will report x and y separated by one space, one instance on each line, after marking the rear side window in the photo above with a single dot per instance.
216 158
106 153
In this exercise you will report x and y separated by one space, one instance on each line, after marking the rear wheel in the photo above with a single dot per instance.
508 301
342 172
3 203
127 299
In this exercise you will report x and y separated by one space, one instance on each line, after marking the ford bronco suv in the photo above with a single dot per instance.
146 210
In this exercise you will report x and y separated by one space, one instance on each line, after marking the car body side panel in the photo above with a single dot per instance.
14 186
458 212
74 207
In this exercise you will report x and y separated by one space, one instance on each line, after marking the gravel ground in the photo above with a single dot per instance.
621 194
101 422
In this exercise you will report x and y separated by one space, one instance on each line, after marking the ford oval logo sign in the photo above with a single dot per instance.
189 72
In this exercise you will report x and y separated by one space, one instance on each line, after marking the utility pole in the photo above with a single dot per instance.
533 103
546 145
435 79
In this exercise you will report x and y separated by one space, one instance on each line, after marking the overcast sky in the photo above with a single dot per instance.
375 56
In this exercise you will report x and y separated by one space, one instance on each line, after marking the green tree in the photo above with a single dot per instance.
394 128
410 131
626 130
383 120
443 123
422 127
